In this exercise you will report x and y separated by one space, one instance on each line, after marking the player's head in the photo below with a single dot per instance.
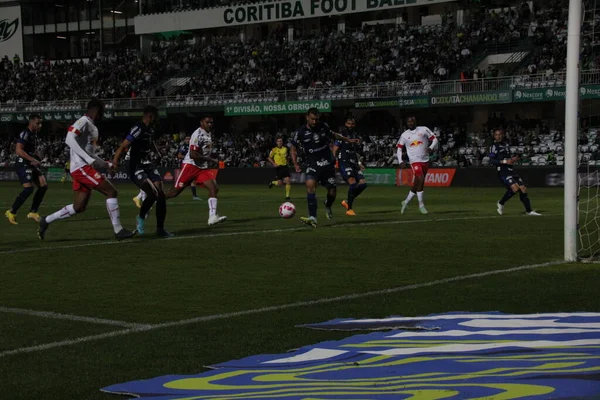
207 123
35 123
411 122
312 117
150 115
279 141
350 123
95 109
498 135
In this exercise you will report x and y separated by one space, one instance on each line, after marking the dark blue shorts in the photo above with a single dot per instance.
510 179
29 174
141 175
325 176
351 171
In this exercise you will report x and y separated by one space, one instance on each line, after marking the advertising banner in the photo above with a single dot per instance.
495 97
539 94
380 176
11 32
288 107
404 102
262 12
441 177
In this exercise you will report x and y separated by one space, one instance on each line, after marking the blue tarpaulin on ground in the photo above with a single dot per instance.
455 356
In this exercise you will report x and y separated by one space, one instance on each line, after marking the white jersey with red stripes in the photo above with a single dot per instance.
200 141
416 142
85 131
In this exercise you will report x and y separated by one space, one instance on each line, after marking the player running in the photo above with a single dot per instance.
199 168
181 154
84 173
279 158
28 169
500 157
314 140
143 172
419 141
350 166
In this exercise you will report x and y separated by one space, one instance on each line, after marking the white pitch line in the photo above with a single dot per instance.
265 231
69 317
262 310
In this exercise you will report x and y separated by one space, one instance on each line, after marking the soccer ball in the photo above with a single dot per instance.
287 210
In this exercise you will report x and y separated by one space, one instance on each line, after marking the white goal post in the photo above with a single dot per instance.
571 130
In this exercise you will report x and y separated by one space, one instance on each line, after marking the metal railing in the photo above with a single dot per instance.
357 93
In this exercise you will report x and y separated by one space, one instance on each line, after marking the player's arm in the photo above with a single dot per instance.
434 141
71 141
270 158
20 151
195 153
294 155
120 151
342 138
335 148
400 147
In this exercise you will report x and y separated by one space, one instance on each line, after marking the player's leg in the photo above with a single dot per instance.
419 185
42 187
524 197
194 192
349 201
288 187
186 177
80 202
311 200
511 189
213 194
112 206
161 207
327 179
139 198
26 179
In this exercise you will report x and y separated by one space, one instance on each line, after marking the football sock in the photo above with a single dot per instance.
146 206
212 206
21 198
276 183
38 197
420 198
311 199
288 189
194 193
142 195
112 206
330 200
411 194
65 212
507 196
351 194
359 189
525 200
161 212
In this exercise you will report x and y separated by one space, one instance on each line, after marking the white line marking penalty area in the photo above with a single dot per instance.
326 300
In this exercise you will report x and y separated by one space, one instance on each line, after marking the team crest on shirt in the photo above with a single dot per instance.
416 143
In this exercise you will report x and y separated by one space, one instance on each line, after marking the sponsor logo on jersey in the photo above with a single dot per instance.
415 143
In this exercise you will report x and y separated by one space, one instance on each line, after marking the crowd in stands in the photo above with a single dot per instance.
533 140
375 54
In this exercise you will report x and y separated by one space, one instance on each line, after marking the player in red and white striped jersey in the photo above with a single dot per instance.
418 141
84 166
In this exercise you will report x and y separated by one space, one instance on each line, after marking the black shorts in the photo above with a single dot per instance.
29 174
510 179
142 174
325 176
348 171
282 172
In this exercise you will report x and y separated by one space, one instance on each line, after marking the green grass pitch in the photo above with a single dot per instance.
257 260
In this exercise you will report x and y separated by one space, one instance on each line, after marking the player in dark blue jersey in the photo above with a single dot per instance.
314 140
27 167
500 157
142 170
350 166
181 153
